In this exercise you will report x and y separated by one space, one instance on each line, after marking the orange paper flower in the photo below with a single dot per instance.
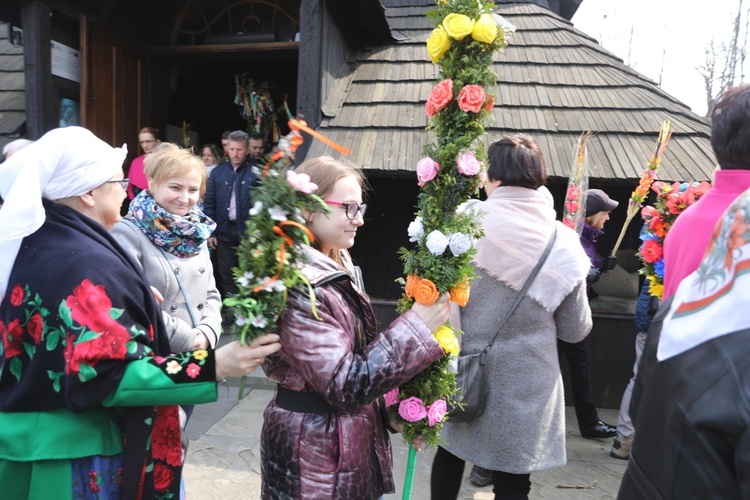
460 294
426 293
411 284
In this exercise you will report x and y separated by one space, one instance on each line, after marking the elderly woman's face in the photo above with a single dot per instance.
108 199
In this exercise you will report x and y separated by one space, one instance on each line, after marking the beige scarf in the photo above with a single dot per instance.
518 223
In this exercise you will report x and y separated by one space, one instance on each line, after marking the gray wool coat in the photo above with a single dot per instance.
197 276
522 429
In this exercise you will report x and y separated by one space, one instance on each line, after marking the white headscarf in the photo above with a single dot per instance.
715 299
65 162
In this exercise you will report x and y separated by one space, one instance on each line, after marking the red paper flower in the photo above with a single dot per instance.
441 95
490 103
471 98
16 296
651 251
677 202
571 206
12 338
36 327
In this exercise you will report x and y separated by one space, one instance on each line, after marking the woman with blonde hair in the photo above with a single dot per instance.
325 432
166 233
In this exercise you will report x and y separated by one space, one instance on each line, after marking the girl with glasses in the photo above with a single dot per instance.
325 434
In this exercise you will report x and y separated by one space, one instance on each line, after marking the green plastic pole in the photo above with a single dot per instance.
409 479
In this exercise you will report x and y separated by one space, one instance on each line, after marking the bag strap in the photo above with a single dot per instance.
525 287
179 283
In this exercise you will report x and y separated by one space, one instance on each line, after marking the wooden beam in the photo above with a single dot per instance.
177 50
41 110
310 60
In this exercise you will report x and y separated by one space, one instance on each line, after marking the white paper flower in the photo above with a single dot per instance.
256 208
278 286
246 279
277 213
460 243
415 229
241 321
260 322
436 242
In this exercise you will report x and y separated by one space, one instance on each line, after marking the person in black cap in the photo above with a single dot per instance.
598 205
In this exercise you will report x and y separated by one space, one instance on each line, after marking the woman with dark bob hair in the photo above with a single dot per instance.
522 429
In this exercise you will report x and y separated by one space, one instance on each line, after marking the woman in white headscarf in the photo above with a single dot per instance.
85 358
691 400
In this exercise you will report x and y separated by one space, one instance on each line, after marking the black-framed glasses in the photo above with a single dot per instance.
122 182
350 207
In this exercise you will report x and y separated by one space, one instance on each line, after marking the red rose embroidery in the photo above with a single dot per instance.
71 365
90 306
165 436
36 327
16 296
12 338
163 477
111 344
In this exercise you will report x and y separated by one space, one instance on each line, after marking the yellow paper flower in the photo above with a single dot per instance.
485 29
655 289
438 44
447 340
458 25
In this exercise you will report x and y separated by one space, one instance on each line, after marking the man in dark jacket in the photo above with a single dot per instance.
692 421
228 202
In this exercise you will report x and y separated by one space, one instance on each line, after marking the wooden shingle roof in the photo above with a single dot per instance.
12 94
553 83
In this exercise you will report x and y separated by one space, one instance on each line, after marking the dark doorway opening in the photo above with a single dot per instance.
203 94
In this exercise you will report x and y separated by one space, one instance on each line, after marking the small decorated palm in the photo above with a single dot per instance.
268 263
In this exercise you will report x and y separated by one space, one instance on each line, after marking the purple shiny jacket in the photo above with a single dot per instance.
345 454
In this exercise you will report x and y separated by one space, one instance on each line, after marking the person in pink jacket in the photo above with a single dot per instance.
686 242
325 433
148 139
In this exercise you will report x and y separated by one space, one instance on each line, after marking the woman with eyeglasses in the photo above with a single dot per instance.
88 382
325 433
148 140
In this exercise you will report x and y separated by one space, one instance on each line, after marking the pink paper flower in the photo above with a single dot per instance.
572 193
436 412
467 163
412 409
391 397
440 96
300 182
427 169
471 98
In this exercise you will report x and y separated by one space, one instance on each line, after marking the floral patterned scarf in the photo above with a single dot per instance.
711 302
182 236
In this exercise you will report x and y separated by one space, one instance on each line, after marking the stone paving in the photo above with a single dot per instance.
223 459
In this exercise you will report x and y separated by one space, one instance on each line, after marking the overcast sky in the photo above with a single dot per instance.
673 31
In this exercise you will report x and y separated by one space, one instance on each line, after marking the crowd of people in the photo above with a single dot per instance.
103 362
